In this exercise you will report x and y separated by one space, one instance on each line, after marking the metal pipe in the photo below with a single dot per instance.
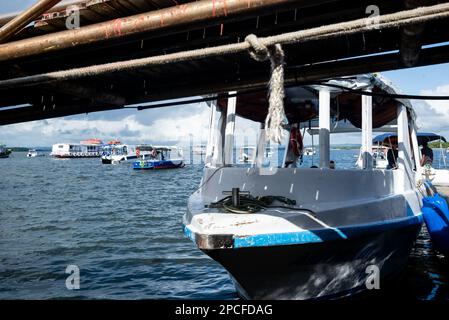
26 17
204 12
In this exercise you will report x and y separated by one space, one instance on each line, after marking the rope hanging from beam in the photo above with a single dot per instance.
276 119
393 20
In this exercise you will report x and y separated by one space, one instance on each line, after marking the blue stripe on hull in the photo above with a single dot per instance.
316 236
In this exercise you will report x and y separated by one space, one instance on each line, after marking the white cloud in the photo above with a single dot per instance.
175 129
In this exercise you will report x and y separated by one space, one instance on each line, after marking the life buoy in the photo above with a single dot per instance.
138 153
296 141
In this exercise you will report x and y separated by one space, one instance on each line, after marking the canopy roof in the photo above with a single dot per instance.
301 103
422 137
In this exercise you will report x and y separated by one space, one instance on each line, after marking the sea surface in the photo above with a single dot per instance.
122 229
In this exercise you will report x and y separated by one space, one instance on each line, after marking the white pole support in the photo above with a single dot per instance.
211 138
416 153
324 124
367 132
261 146
407 176
230 127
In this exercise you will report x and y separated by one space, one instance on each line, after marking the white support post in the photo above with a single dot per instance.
324 124
261 146
416 153
210 148
367 132
230 127
404 165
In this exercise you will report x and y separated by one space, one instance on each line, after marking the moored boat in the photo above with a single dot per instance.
4 152
91 148
114 154
161 157
33 153
291 232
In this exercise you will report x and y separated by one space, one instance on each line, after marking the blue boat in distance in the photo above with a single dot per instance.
161 157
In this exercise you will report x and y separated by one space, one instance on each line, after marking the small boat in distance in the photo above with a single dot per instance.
33 153
113 154
161 157
309 151
4 152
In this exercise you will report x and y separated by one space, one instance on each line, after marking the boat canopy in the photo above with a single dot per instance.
422 137
301 103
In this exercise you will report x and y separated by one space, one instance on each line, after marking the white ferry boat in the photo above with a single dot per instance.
91 148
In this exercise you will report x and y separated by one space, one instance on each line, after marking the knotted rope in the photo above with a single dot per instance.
276 119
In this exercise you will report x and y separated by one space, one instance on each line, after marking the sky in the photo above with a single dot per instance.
174 125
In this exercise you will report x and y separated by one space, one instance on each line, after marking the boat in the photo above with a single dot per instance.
309 151
247 155
91 148
290 232
33 153
122 152
436 173
199 150
4 152
379 154
161 157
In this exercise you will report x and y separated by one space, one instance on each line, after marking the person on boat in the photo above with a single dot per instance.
392 156
295 148
427 154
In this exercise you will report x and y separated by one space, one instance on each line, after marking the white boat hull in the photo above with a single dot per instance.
319 249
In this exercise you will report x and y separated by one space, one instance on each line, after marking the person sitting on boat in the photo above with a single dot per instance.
392 156
427 155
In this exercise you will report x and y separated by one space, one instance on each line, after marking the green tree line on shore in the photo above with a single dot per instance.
436 144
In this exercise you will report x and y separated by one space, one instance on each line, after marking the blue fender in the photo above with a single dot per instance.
436 216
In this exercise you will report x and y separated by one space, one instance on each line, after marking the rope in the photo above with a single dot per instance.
250 204
276 119
393 20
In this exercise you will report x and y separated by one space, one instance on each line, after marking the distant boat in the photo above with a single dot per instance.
4 153
309 151
33 153
161 157
379 154
199 150
91 148
118 153
248 154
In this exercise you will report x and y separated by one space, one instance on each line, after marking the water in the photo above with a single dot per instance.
122 228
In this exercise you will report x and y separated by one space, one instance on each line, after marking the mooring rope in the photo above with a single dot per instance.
276 119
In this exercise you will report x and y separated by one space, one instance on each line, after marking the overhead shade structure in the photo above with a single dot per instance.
301 103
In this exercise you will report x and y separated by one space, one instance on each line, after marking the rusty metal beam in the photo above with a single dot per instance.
26 17
194 14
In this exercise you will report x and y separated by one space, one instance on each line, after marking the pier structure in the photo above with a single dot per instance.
82 56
